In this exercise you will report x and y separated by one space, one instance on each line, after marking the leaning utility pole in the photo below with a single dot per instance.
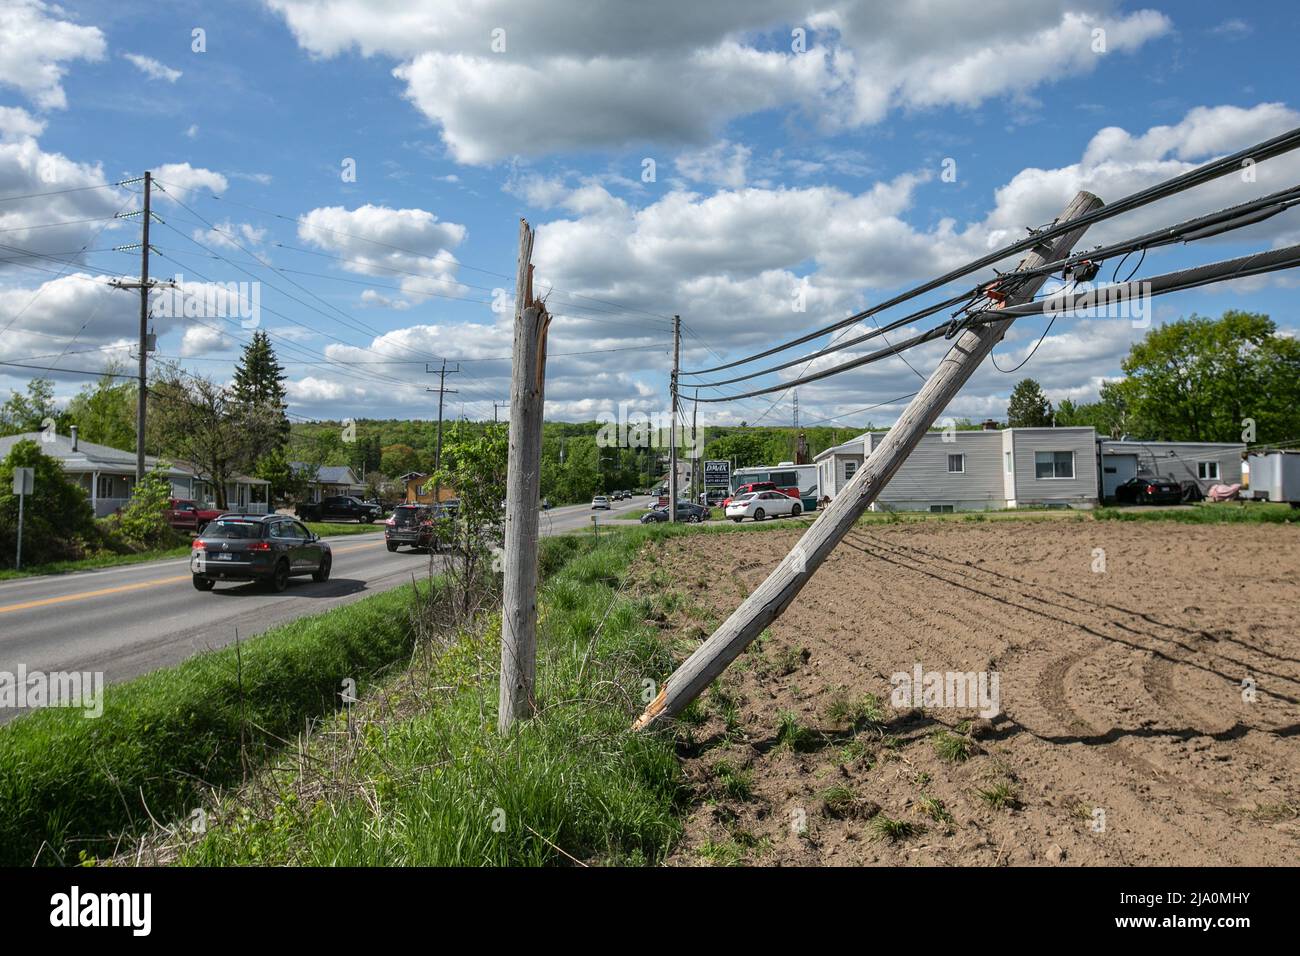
672 425
776 593
523 493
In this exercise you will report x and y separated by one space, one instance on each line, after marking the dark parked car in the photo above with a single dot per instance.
411 525
1149 491
686 511
270 548
339 508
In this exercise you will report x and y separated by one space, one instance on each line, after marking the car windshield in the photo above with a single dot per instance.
234 529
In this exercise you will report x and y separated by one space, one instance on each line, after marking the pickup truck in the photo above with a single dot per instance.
185 515
339 508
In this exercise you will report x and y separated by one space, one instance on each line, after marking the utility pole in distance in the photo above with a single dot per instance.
783 585
144 285
672 425
495 406
523 492
442 390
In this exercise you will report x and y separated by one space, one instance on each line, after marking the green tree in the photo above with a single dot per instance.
143 522
1028 407
398 460
31 412
196 421
58 523
104 411
1197 379
259 384
286 484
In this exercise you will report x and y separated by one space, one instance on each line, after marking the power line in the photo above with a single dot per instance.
1278 145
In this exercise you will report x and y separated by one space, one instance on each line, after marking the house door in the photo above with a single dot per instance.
1115 470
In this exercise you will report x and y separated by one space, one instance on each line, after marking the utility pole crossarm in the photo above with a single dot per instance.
783 585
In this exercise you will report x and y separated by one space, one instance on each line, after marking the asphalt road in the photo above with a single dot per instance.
129 620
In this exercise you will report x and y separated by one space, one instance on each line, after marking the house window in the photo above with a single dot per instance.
956 464
941 509
105 487
1053 464
1207 470
1007 457
850 467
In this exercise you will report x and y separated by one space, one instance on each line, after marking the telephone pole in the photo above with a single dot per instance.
441 390
144 285
695 449
767 602
672 425
495 406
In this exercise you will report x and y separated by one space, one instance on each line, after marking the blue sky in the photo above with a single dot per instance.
772 165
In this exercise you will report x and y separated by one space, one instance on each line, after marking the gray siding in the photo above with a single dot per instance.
924 479
1030 489
1178 460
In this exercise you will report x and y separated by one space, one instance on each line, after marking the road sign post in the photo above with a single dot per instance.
24 483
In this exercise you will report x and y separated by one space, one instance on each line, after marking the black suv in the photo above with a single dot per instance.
411 524
270 548
340 508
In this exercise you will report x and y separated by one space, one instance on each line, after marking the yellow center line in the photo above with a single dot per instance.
83 595
43 602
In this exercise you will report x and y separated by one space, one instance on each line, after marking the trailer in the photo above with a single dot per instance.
1275 476
797 481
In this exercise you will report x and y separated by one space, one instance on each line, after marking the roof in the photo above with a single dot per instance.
329 474
88 456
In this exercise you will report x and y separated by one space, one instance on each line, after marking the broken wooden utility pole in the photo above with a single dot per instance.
672 425
523 496
775 594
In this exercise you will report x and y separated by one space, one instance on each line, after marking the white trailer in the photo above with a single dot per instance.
1275 476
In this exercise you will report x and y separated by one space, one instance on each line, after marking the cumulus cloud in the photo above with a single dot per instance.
570 75
36 43
187 178
411 247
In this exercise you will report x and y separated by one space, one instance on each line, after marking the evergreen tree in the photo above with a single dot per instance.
259 385
1028 407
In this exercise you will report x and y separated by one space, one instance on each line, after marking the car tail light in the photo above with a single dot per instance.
198 545
390 521
1151 489
260 546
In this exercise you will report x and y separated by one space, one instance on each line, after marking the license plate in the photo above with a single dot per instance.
225 557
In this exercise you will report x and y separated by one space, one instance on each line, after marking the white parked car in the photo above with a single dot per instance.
600 501
762 504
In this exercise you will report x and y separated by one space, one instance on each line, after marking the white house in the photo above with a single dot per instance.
977 470
330 481
107 475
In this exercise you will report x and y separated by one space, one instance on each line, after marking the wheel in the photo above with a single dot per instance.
796 511
280 577
203 584
694 519
392 545
758 514
323 572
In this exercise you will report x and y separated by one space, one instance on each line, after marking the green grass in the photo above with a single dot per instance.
1225 512
441 788
73 782
1001 795
790 733
883 827
328 529
951 747
99 561
732 781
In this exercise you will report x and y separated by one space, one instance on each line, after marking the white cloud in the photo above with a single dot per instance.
410 247
202 340
152 68
35 45
577 76
187 179
722 164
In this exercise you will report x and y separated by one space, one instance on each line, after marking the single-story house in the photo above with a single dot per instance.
107 475
330 481
977 470
1206 463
